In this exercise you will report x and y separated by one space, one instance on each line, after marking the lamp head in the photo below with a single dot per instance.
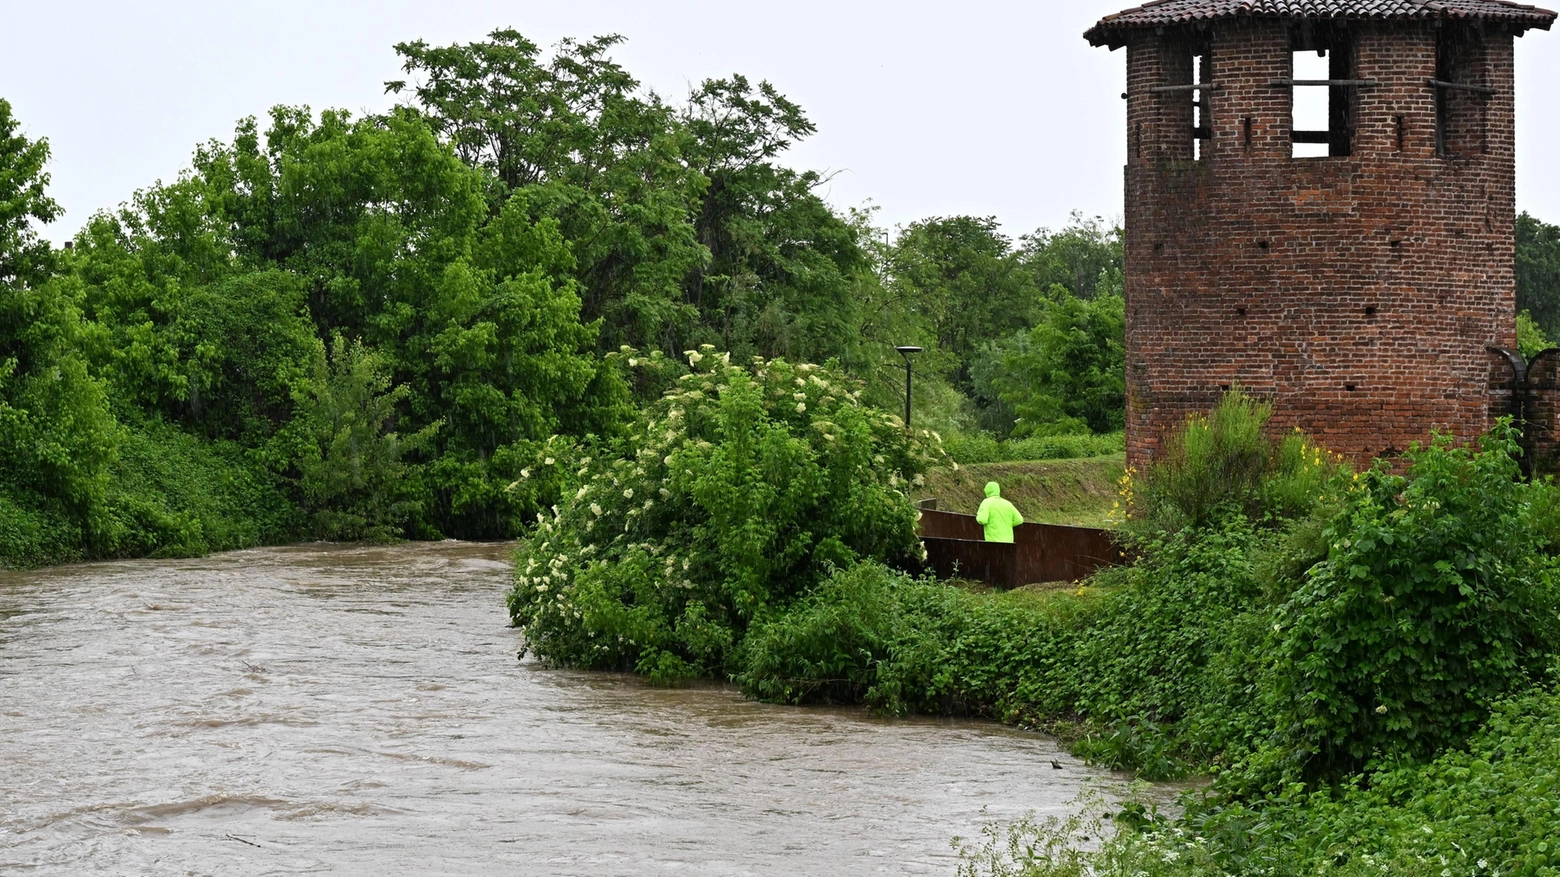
906 351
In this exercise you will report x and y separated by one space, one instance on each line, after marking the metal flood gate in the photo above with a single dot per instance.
956 547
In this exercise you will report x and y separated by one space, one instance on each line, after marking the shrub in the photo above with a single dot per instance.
1486 809
32 536
840 644
1531 339
1224 463
1431 604
736 493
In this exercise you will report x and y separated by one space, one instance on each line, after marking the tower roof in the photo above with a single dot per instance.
1111 30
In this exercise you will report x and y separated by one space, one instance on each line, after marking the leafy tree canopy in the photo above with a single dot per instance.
683 227
56 436
1538 272
221 286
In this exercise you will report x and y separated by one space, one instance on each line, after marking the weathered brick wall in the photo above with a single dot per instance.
1357 293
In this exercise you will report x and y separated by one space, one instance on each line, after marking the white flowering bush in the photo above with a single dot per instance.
734 495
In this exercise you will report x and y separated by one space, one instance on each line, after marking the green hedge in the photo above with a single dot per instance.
973 449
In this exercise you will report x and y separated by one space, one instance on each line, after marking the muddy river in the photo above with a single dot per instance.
359 710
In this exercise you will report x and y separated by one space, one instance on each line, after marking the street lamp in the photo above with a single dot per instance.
907 352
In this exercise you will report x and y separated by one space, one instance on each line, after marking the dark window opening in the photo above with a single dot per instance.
1185 96
1323 91
1460 96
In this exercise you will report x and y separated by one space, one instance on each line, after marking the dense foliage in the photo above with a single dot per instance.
737 491
1482 809
428 323
982 448
1432 602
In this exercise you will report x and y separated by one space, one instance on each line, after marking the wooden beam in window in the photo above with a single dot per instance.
1335 83
1167 89
1459 86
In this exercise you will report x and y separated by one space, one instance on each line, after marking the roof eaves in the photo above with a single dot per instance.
1111 29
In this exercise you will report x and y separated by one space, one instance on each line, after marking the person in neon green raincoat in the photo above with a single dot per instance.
997 515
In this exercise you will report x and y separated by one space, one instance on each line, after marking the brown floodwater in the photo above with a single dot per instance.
359 710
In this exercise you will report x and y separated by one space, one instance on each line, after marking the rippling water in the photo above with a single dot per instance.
359 710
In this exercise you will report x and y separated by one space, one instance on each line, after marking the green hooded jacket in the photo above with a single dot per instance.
997 515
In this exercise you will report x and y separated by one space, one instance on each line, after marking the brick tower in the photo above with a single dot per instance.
1355 266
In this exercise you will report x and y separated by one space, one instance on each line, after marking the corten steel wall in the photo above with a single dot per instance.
995 563
1039 552
1357 293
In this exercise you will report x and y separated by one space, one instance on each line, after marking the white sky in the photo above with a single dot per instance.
979 107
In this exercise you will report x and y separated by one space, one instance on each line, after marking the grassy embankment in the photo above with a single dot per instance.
1075 492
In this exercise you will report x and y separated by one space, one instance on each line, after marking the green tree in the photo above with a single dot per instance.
783 266
57 437
1067 374
1084 257
684 227
591 151
353 479
961 275
25 258
373 230
1538 272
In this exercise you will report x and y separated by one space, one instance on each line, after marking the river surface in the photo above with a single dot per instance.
359 710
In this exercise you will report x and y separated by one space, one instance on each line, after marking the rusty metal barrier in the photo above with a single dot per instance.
956 548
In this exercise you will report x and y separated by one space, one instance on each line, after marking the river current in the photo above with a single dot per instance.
359 710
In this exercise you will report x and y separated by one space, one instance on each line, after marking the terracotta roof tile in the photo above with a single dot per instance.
1169 12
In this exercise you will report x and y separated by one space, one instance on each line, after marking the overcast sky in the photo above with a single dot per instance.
977 107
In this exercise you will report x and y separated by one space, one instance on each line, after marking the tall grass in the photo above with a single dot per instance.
1228 462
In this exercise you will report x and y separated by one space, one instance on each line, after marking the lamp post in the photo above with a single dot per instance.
907 352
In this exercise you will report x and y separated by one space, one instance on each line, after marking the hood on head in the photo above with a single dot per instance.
992 489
